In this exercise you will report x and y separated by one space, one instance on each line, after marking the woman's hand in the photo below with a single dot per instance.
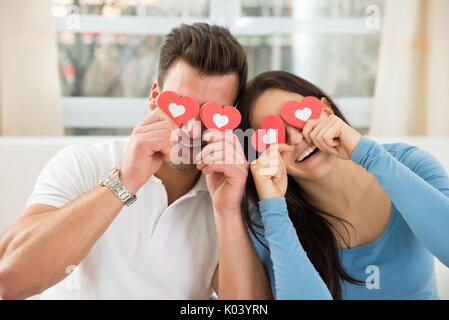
331 134
270 173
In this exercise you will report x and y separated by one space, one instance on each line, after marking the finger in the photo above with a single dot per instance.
230 171
271 156
328 137
268 158
283 147
326 134
164 124
215 136
309 126
283 163
230 138
254 166
224 145
329 133
221 158
201 165
161 135
270 163
271 151
216 157
285 150
317 135
265 172
151 145
232 157
156 115
277 175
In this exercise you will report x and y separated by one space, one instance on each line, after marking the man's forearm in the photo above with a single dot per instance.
241 274
37 249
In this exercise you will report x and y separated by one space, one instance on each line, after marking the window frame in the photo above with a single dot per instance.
120 112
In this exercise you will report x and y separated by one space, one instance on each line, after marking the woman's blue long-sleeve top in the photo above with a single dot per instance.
399 264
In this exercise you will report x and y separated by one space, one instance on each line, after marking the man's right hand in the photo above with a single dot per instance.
148 147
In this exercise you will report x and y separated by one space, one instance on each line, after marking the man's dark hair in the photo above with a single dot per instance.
211 49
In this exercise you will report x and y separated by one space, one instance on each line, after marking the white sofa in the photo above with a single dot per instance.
22 158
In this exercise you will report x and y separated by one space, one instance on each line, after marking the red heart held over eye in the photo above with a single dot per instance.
214 116
297 113
272 130
180 109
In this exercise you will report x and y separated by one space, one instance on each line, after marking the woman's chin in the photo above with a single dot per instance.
315 167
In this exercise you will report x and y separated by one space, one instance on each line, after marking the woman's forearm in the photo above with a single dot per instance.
420 191
294 274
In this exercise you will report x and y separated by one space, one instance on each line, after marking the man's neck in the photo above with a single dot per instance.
176 182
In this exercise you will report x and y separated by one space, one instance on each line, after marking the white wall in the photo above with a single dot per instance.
29 81
21 160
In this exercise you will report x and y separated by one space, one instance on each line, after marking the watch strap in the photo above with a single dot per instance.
116 186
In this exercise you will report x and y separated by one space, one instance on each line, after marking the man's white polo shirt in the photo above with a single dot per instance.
151 250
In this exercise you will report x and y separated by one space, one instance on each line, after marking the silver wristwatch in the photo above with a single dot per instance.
113 182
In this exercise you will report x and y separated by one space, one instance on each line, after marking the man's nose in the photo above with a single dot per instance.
193 128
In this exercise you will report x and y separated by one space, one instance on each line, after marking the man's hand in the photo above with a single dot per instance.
148 147
224 163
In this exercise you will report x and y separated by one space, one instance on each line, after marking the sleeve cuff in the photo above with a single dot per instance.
361 149
272 205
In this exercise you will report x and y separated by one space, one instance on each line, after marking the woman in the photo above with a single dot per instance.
342 216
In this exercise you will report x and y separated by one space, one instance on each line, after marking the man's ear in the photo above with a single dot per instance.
327 107
153 95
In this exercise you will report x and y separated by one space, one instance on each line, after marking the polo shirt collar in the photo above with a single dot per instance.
201 184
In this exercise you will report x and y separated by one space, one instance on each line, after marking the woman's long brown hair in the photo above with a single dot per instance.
317 235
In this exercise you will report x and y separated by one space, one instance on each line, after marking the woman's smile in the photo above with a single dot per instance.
305 153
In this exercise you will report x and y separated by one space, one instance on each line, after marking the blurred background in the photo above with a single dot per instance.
79 71
107 51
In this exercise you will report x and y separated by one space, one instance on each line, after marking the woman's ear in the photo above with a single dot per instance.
153 95
327 107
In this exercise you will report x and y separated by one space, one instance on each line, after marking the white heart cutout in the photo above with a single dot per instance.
270 137
176 110
303 114
220 120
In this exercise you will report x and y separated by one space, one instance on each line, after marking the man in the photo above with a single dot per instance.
167 244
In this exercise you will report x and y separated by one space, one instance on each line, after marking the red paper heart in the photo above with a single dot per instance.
297 113
214 116
180 109
272 130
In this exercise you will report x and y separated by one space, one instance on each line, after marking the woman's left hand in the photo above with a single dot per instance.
331 134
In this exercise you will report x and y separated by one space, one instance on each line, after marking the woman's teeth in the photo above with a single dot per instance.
306 153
